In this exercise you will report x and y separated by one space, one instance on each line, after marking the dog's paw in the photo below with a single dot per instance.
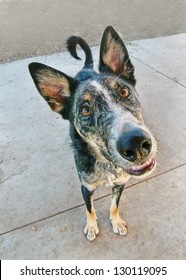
119 226
91 231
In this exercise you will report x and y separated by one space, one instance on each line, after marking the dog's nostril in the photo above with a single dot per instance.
146 146
130 155
126 150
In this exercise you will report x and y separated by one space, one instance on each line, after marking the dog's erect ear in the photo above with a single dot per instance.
55 86
114 57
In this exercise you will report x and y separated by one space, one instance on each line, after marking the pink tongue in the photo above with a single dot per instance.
138 170
143 166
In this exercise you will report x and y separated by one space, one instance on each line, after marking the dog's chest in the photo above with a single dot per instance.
108 178
121 177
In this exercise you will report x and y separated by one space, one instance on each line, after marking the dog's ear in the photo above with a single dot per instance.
55 86
114 57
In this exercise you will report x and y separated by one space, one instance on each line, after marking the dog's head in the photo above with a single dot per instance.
104 108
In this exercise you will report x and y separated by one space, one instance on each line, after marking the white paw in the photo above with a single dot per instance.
119 226
91 230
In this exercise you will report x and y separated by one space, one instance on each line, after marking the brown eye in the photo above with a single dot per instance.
124 92
86 111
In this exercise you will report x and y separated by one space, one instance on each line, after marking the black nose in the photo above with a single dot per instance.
134 144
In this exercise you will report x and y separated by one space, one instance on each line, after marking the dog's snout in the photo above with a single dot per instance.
134 144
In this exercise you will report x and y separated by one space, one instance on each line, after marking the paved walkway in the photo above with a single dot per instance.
28 29
42 214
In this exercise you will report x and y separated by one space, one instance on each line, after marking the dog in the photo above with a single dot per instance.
110 141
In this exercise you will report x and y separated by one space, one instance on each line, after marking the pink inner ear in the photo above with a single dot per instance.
52 91
114 57
116 63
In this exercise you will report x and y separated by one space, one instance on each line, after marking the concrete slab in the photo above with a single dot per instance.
154 210
166 55
37 172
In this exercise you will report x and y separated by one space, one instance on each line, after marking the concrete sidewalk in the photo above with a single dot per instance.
30 28
42 213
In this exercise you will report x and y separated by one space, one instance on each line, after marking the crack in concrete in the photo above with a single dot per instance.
82 204
14 174
159 72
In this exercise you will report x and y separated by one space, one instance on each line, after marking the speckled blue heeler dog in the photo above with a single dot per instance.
110 140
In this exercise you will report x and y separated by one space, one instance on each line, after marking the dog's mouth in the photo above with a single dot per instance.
142 169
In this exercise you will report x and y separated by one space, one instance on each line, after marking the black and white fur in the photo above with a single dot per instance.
110 140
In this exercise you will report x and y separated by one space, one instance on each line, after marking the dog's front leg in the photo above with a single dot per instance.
91 228
119 225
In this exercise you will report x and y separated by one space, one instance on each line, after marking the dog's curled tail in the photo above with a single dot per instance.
71 44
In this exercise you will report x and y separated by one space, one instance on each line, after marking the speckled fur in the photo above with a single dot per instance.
108 114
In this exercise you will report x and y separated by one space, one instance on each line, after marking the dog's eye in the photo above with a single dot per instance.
86 111
124 92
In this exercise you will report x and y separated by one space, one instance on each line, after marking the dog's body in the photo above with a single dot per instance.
110 141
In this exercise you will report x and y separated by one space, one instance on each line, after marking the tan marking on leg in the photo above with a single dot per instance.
114 211
119 226
91 228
